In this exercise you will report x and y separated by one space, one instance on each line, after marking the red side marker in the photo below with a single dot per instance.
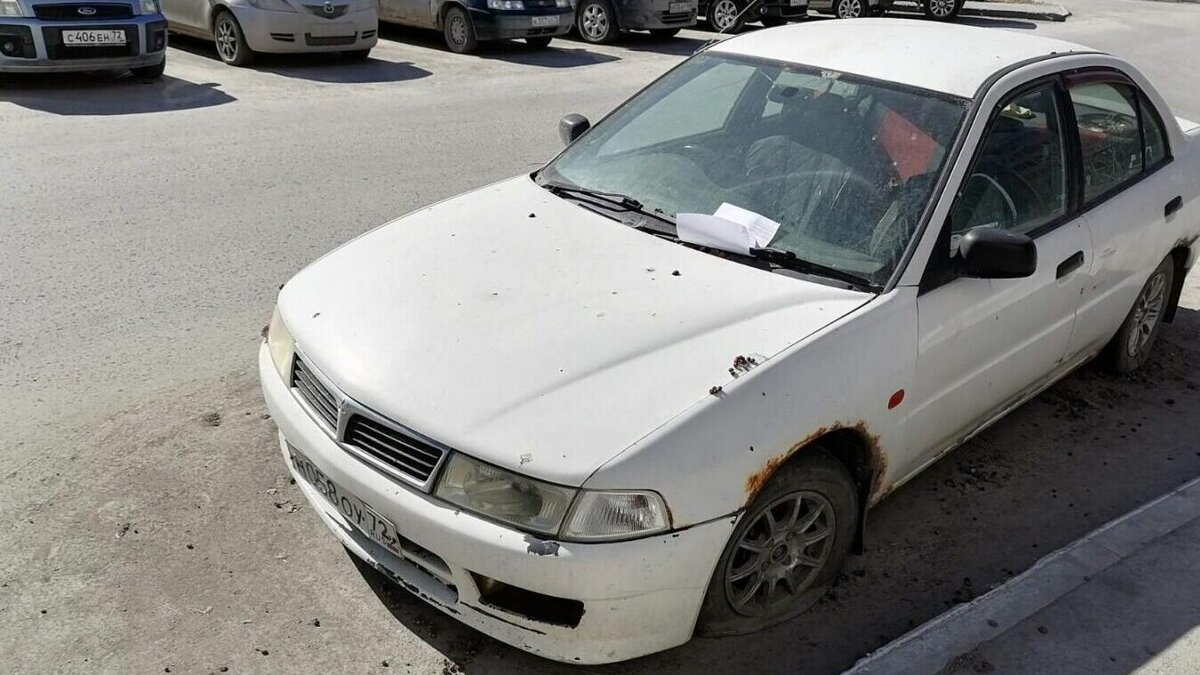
896 399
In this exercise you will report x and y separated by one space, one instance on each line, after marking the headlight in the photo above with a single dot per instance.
605 516
562 4
503 495
281 345
531 504
149 6
271 5
10 8
506 4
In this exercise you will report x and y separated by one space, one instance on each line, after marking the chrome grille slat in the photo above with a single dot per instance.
318 397
378 440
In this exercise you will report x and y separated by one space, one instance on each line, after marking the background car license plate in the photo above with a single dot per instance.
545 20
797 3
679 7
359 513
93 38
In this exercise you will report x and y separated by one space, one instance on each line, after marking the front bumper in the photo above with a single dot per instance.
657 14
784 9
40 49
638 597
295 32
508 25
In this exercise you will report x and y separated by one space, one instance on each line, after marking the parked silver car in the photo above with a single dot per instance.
75 35
243 28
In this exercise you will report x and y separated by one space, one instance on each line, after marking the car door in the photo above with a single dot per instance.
1121 141
186 13
984 343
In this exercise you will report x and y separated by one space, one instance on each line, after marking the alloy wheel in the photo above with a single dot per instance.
1146 314
725 14
780 555
941 8
595 21
849 9
226 39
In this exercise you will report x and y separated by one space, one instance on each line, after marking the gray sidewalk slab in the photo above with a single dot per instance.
1125 598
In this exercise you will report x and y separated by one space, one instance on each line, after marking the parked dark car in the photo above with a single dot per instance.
602 21
465 23
938 10
728 16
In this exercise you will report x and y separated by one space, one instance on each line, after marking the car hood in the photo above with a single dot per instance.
529 332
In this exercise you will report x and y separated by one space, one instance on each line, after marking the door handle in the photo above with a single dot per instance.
1172 206
1069 265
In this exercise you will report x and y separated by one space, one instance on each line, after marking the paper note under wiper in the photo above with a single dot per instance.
731 228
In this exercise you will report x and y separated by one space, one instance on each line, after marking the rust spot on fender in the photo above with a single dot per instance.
877 460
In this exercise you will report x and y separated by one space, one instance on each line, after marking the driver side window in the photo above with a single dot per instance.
1018 180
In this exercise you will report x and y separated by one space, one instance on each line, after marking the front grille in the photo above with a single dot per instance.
678 17
334 11
55 49
539 4
336 40
403 452
83 12
318 397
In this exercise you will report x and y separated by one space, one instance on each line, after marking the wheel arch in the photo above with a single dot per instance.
1180 256
444 6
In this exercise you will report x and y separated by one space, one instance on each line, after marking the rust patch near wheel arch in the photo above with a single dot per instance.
876 460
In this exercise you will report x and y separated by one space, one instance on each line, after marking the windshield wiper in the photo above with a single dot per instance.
615 199
789 260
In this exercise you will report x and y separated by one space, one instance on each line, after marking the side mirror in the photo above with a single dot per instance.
572 126
992 253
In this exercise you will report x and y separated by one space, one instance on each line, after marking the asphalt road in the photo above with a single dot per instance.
144 229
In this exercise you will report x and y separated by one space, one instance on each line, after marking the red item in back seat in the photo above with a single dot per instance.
910 149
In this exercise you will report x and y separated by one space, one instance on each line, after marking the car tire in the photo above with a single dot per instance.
772 21
941 10
725 16
230 40
596 22
851 9
357 55
814 507
664 33
539 42
1130 347
458 31
150 72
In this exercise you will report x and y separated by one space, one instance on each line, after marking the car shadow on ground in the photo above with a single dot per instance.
329 67
558 55
1091 448
106 93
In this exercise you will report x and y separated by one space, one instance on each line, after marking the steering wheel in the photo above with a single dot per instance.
847 177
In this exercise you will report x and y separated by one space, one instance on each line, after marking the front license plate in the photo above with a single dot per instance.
798 3
93 38
679 7
359 513
545 20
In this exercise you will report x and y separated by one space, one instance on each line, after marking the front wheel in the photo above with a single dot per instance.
786 549
941 10
458 31
597 22
851 9
664 33
725 16
538 42
1130 347
230 41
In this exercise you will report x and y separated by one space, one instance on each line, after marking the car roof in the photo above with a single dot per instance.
948 58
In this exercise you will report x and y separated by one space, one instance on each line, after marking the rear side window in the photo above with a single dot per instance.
1120 136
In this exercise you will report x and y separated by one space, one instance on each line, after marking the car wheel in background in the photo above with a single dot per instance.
357 55
786 549
850 9
724 16
458 31
941 10
596 22
1131 345
772 21
150 72
664 33
230 41
539 42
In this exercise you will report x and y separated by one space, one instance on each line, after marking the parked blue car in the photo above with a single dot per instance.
76 35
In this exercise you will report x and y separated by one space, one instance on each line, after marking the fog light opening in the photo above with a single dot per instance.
528 604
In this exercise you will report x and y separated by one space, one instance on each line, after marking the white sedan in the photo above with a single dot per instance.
652 388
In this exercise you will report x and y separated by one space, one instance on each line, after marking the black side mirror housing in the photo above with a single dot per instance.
572 126
992 253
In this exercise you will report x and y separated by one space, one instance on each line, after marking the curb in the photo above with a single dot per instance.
929 648
999 10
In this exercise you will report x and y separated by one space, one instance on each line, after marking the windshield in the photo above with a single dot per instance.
844 164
